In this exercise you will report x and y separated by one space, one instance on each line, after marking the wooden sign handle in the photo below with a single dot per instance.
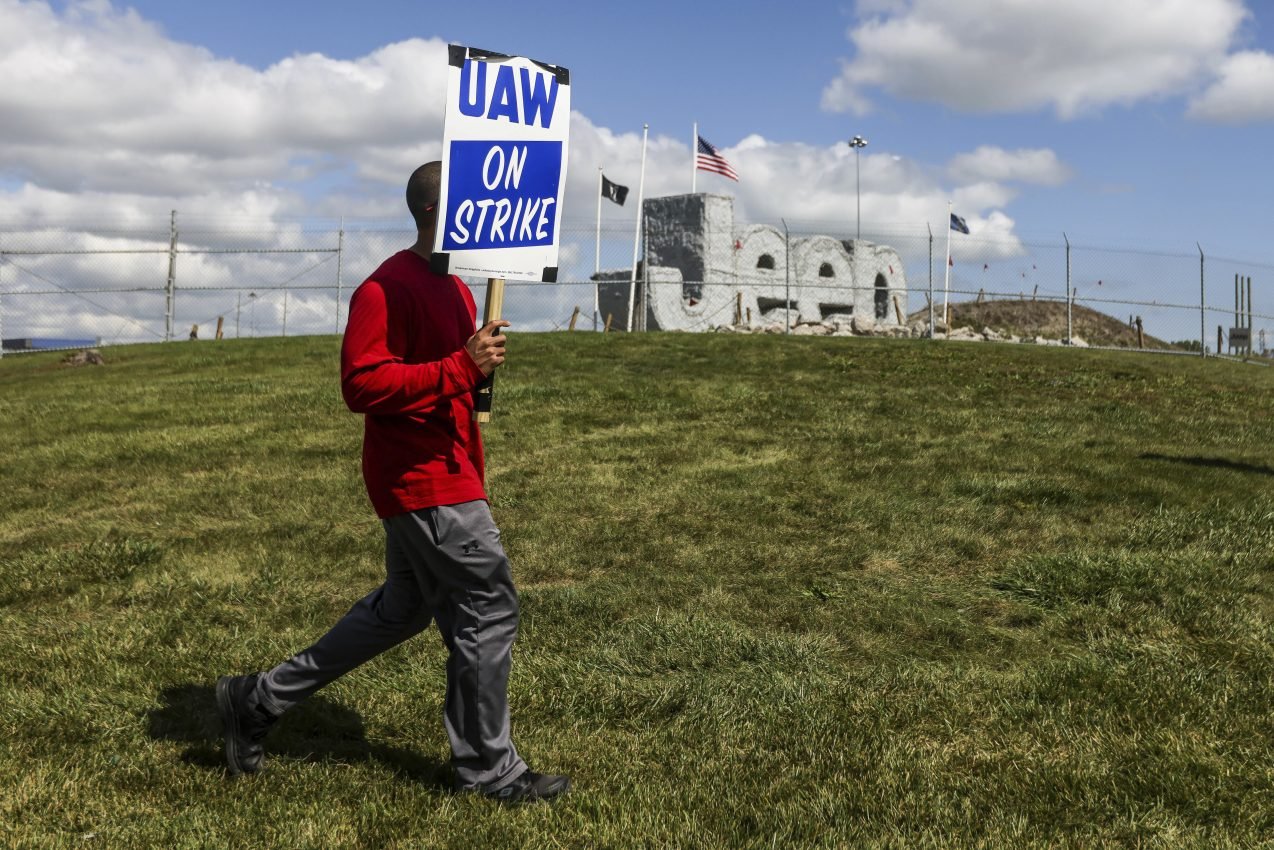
483 393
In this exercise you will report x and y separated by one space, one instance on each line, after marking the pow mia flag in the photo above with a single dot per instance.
614 191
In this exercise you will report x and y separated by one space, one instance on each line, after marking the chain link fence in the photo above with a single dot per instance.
78 285
803 272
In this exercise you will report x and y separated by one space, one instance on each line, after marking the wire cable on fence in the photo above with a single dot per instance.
279 286
75 293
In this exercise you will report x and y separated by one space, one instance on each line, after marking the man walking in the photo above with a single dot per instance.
410 362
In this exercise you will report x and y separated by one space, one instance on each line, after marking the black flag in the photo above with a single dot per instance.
614 191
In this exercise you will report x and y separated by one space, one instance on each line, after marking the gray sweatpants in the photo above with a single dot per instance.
445 564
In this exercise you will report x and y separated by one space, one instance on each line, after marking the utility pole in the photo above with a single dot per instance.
172 277
858 143
1070 293
1203 309
340 254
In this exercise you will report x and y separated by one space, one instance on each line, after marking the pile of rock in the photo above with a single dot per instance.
774 321
991 335
87 357
839 325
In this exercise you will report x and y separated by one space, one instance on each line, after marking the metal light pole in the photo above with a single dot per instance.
858 143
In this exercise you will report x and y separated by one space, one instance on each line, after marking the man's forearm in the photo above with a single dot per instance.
391 387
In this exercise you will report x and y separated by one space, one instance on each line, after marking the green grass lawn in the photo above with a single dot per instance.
777 592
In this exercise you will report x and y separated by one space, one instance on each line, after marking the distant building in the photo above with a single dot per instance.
47 343
700 265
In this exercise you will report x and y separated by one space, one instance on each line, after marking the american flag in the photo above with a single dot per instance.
708 159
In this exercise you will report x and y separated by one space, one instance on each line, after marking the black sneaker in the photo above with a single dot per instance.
530 787
245 726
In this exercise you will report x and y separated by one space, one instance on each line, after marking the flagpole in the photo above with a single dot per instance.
641 187
946 285
694 155
597 251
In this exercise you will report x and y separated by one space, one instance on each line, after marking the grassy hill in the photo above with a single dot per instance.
1026 318
777 591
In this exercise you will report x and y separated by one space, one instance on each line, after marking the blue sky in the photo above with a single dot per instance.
1134 124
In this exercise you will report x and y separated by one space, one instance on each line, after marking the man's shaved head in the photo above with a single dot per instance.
423 188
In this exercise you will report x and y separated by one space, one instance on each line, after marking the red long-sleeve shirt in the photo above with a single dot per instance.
404 365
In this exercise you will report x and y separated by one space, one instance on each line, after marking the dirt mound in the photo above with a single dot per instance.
1026 318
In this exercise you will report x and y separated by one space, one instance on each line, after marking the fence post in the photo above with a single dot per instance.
340 253
1238 307
932 327
285 309
172 277
1 300
1249 315
1203 309
2 261
1070 293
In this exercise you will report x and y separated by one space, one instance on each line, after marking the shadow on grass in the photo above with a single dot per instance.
1215 462
317 730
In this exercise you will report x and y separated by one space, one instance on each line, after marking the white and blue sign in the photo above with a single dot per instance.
503 167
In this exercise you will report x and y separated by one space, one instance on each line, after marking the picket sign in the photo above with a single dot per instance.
505 138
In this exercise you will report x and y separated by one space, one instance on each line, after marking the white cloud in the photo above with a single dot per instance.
975 198
1013 55
99 99
1244 92
257 210
1038 166
820 185
814 188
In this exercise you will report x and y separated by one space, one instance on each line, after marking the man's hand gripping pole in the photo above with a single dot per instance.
482 394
